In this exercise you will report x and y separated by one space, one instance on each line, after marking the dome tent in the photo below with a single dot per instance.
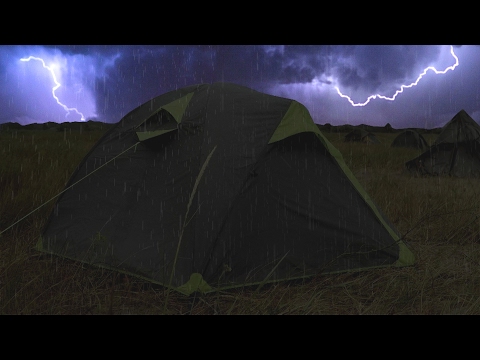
410 138
361 135
455 152
215 186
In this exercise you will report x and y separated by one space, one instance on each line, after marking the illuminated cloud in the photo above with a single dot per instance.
48 85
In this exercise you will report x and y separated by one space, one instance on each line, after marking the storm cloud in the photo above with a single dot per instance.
107 81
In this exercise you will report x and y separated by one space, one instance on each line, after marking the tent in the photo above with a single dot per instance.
410 138
361 135
217 186
456 151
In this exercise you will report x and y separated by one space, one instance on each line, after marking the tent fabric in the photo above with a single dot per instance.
455 152
459 160
361 135
223 187
410 138
461 128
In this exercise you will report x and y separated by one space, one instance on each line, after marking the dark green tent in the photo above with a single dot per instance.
216 186
456 151
410 138
361 135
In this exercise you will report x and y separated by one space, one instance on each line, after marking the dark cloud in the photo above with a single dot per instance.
143 72
293 74
304 63
348 77
382 67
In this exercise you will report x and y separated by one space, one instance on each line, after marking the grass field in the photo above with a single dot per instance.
438 216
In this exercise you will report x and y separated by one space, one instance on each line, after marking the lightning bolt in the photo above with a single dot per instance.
403 86
57 85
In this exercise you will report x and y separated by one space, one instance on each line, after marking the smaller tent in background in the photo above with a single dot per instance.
361 135
388 128
461 129
455 152
411 139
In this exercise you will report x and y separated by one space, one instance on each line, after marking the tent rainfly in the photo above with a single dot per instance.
217 186
455 152
361 135
410 138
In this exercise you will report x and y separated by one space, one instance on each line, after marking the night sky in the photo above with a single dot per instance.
105 82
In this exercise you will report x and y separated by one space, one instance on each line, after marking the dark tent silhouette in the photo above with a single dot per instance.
216 186
361 135
410 138
455 152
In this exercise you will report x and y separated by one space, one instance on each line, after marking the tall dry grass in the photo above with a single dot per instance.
438 216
